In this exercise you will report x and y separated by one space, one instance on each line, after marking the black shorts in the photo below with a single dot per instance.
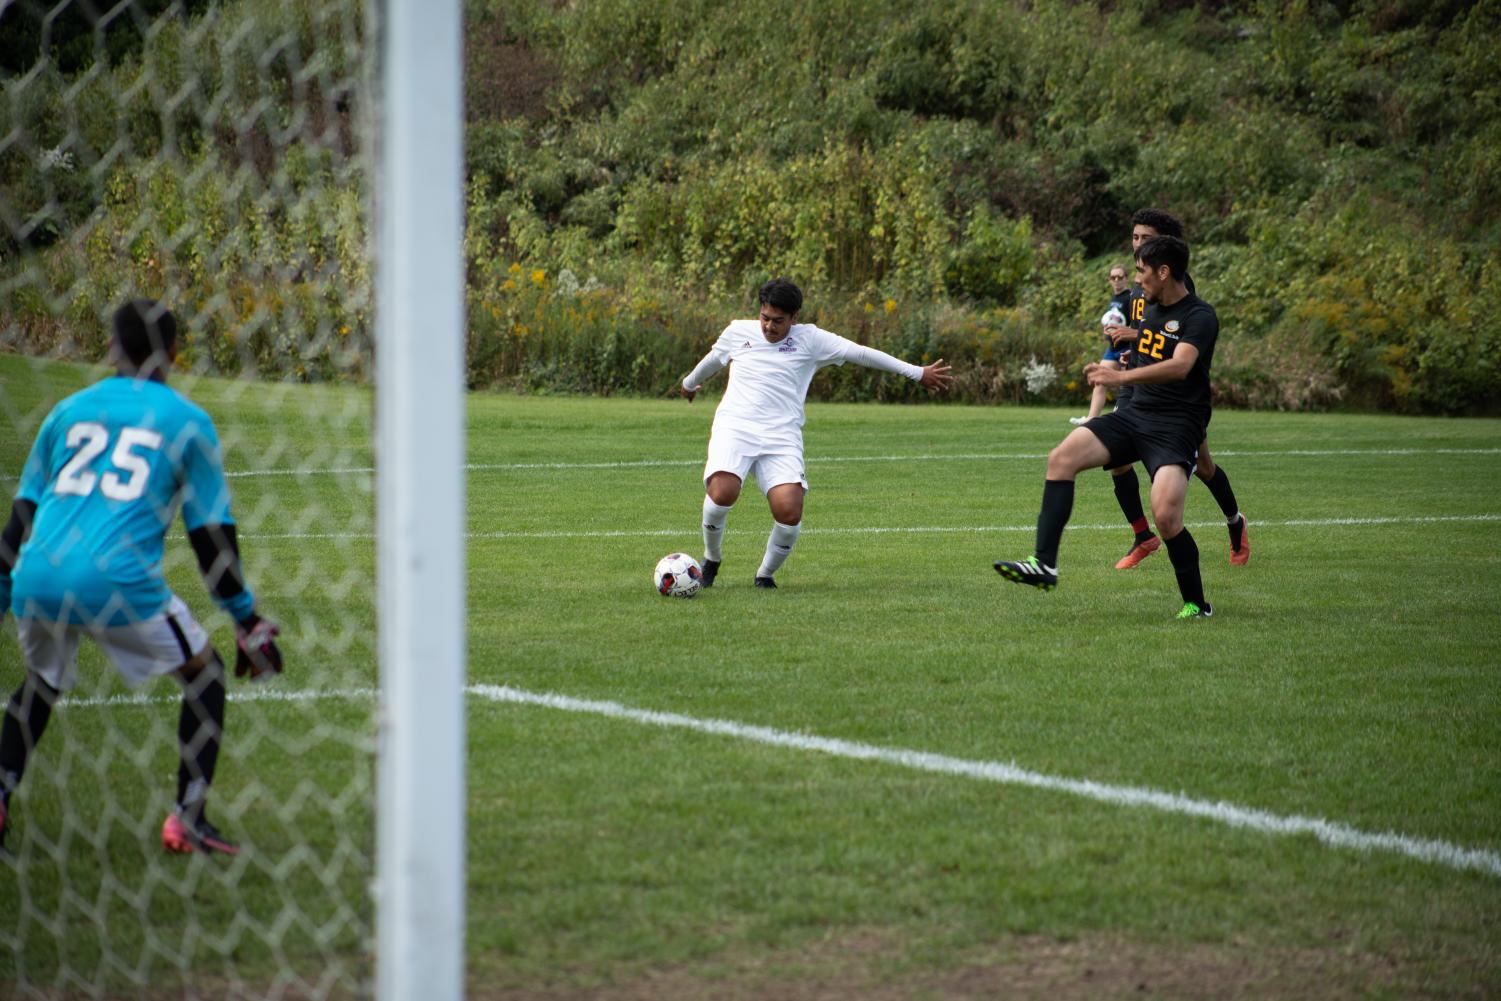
1133 435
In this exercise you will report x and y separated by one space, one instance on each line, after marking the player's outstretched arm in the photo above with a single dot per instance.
16 530
936 377
218 553
211 532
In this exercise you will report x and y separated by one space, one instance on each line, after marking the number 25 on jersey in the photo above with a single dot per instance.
91 439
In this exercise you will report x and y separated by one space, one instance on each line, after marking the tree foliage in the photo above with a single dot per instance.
973 164
1336 166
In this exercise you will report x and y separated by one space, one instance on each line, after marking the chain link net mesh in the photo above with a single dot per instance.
214 157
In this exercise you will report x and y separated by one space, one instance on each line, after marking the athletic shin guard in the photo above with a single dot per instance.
200 727
1128 496
778 547
25 719
1057 507
1184 552
1223 495
714 519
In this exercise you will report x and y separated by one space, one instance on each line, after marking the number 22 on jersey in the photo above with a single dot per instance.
1151 343
91 439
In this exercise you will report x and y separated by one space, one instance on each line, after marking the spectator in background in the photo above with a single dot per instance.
1115 316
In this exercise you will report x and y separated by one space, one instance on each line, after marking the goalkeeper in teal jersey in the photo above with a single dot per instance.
82 556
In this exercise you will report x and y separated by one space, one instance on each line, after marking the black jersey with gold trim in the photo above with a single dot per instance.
1190 320
1136 308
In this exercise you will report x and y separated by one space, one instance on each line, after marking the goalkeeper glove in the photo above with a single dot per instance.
257 655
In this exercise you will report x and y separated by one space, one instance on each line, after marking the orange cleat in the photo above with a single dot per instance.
1139 552
1238 557
181 838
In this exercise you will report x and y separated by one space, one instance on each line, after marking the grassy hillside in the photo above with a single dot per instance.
977 163
947 179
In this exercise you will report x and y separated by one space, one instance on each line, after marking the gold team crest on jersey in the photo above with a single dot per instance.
1171 326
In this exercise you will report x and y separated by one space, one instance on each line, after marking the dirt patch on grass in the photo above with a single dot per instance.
876 966
869 968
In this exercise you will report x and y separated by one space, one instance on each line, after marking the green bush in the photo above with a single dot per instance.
974 165
158 175
535 331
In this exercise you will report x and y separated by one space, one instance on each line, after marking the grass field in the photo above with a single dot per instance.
1349 674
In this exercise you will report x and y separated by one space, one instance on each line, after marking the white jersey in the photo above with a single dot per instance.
769 381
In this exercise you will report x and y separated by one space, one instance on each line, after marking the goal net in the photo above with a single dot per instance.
214 157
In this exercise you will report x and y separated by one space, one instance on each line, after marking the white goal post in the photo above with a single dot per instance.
420 503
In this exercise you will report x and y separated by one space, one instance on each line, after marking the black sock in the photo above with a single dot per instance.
200 727
25 719
1057 505
1128 496
1184 553
1219 485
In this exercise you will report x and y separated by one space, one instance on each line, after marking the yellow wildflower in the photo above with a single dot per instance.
890 305
539 277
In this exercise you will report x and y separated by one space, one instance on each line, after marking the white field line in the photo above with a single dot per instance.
814 461
1331 833
255 693
643 533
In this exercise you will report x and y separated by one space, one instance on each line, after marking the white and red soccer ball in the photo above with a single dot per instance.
678 575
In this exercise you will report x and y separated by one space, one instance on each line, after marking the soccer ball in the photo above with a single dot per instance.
678 575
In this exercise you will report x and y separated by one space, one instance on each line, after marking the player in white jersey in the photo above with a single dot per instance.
82 556
758 427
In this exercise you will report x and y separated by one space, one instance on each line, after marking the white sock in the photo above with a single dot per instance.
714 519
778 547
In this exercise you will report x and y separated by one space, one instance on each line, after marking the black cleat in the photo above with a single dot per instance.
1028 571
766 582
711 570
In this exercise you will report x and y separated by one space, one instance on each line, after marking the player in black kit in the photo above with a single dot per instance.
1162 428
1145 224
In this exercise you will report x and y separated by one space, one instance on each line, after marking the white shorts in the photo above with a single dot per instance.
772 465
140 650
